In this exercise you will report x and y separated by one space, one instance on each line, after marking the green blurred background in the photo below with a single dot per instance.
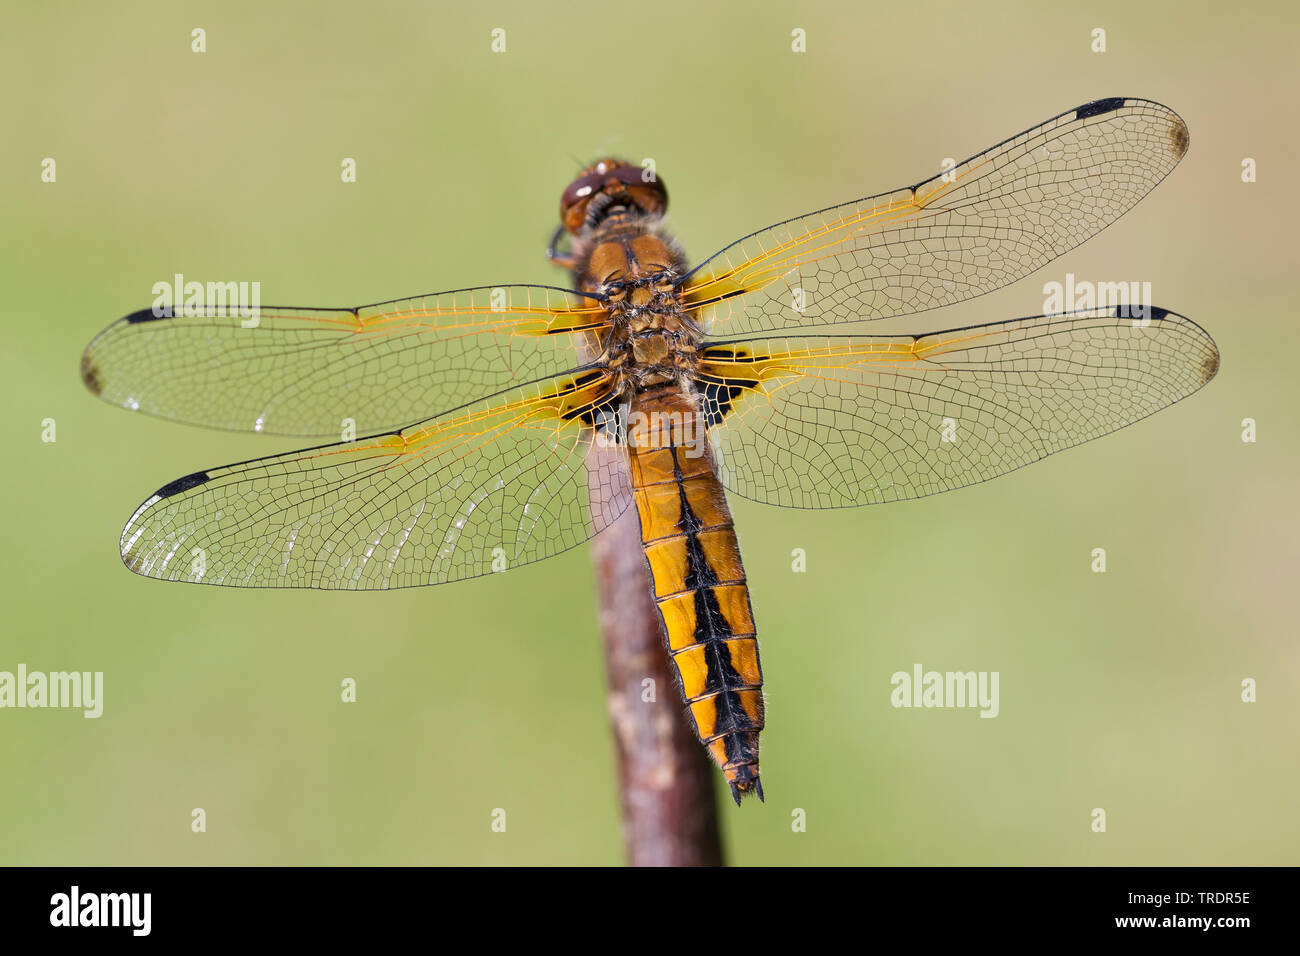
1119 691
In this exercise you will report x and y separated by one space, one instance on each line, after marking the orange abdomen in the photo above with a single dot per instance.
699 582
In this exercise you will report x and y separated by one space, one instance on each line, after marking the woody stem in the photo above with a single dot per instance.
666 780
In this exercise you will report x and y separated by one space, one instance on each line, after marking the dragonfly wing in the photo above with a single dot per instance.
317 372
840 421
491 486
989 221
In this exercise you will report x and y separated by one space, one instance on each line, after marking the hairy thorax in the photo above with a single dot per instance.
649 340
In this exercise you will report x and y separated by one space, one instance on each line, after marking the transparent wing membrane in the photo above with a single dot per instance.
303 372
851 420
991 220
488 487
526 463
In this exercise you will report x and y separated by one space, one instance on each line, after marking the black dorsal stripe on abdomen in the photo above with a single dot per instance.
711 627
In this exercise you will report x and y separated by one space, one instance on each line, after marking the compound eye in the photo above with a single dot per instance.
582 188
627 175
592 181
641 187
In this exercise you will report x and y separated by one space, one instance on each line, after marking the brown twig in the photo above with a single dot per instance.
670 814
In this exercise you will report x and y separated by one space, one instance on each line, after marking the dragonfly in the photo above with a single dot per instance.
506 424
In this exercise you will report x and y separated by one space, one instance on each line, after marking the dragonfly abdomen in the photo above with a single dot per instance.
699 583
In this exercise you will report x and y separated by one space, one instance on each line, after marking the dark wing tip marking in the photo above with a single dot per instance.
1179 138
149 315
182 484
1097 107
133 560
91 376
1209 365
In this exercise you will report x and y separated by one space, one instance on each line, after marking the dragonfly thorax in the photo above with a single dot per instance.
649 338
650 343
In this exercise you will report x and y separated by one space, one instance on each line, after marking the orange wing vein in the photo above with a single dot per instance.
840 421
303 372
491 486
989 221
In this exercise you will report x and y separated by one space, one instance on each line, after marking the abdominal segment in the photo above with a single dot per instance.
699 587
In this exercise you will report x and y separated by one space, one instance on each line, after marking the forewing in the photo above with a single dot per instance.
317 372
991 220
851 420
489 487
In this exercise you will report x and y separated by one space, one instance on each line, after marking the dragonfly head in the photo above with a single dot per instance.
609 187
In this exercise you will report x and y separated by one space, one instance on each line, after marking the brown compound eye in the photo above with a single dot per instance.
620 182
